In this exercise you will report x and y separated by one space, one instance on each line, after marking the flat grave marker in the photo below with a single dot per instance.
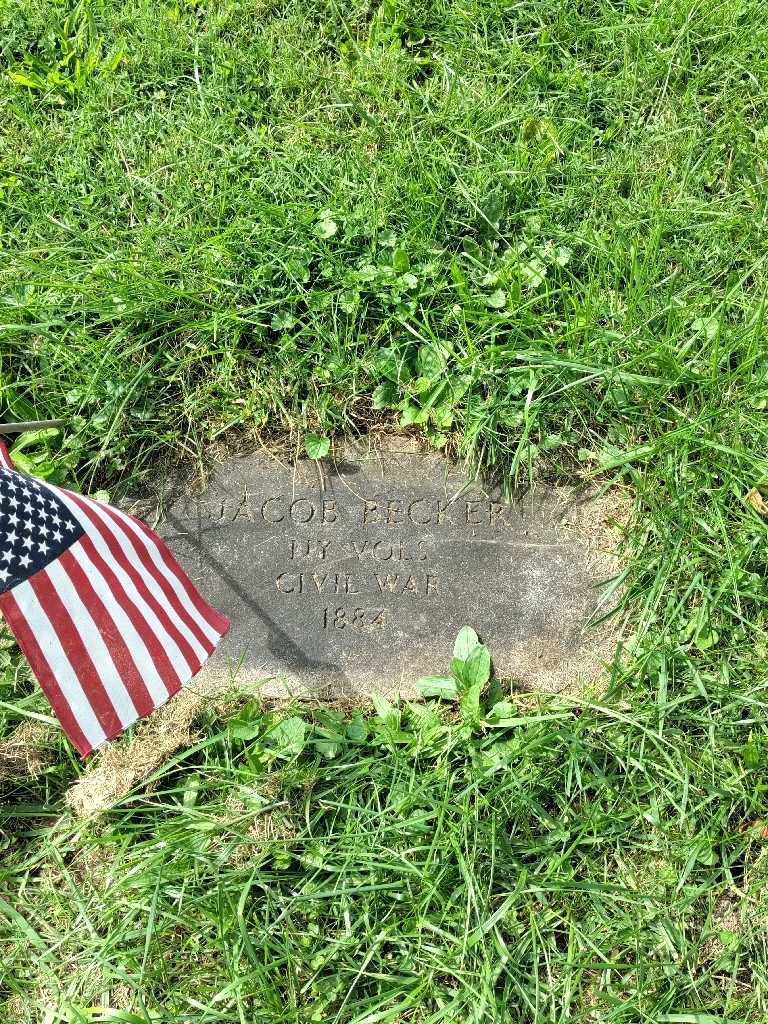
356 573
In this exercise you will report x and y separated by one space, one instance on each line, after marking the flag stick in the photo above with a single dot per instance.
22 427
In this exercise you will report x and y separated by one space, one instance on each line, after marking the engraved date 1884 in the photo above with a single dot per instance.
355 618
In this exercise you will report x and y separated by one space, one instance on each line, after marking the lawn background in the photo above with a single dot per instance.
537 234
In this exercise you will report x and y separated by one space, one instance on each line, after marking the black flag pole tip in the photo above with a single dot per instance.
23 427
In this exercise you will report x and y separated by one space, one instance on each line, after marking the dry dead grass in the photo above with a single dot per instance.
726 917
25 751
602 521
121 766
262 829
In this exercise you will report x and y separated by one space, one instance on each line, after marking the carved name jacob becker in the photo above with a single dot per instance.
390 512
388 565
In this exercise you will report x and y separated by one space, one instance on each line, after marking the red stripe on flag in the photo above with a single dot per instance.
5 458
39 665
214 619
162 662
77 652
136 577
113 638
170 594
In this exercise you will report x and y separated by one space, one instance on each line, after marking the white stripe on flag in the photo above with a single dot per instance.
139 652
177 659
151 547
58 662
94 643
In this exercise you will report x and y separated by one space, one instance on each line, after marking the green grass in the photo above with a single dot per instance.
537 232
578 866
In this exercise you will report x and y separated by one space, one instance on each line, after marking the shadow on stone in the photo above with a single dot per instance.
277 640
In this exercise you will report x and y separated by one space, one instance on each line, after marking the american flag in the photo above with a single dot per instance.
110 624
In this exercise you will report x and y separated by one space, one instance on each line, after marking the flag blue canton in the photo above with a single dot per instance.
36 527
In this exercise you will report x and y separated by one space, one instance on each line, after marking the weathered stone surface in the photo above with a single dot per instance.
356 575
